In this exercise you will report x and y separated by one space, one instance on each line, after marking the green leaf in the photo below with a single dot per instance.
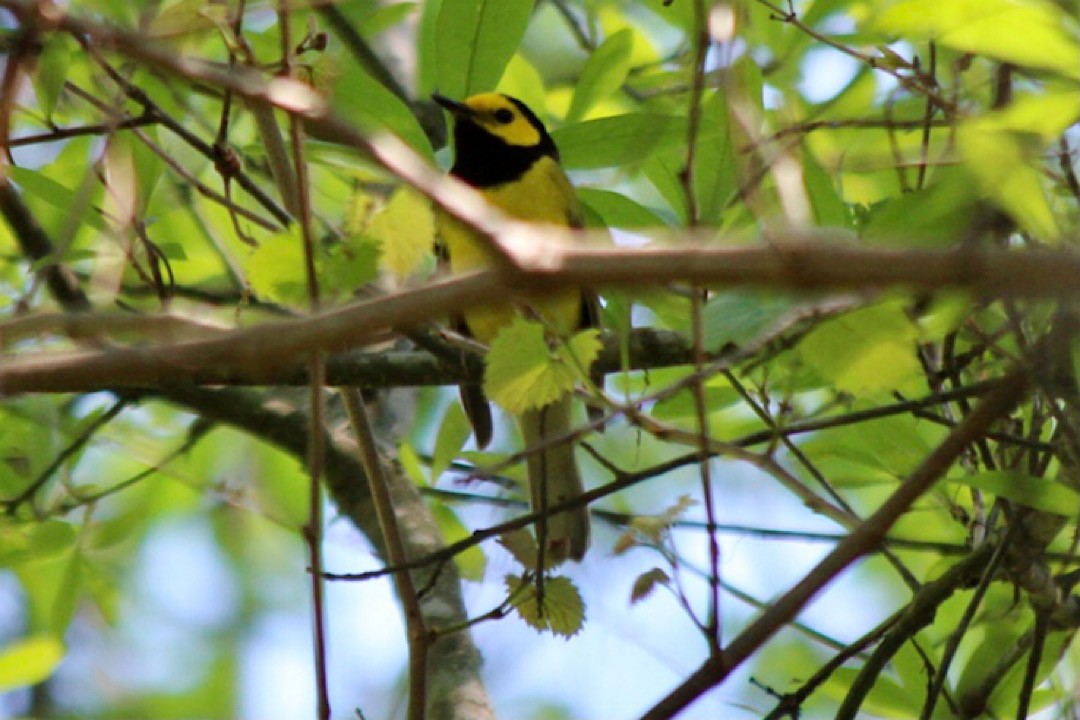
1031 33
737 317
474 40
646 583
614 19
411 464
406 229
563 612
472 562
523 373
51 538
935 216
367 102
427 47
1034 492
654 527
821 189
872 452
29 661
619 140
522 547
1004 167
41 186
681 408
183 18
382 18
522 80
1046 114
604 73
35 542
351 264
715 179
276 269
618 210
662 170
453 432
886 698
68 593
53 65
864 351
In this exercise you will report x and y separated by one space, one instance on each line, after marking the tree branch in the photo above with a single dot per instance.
867 536
260 352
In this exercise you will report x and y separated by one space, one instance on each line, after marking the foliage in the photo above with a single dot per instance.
154 212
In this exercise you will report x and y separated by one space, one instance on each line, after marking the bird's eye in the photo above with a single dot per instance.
504 116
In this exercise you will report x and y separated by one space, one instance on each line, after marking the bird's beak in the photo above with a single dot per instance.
454 107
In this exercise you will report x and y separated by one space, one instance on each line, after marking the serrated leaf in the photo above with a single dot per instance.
453 432
522 373
29 661
864 351
1034 492
275 269
351 264
183 18
654 526
646 583
604 73
1031 33
563 612
474 40
522 546
406 229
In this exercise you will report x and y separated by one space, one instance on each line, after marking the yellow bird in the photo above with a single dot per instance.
503 150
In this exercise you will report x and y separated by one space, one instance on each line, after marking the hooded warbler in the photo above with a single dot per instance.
503 150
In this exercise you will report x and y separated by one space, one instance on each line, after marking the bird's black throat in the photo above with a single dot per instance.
484 160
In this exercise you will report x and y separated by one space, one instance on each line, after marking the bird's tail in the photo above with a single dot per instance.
554 478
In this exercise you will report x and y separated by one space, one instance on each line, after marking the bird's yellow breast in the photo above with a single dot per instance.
541 195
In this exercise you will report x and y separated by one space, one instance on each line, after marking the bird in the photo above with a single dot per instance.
502 149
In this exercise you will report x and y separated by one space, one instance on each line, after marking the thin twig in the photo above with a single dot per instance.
137 95
379 486
12 505
67 133
298 200
863 539
701 43
912 84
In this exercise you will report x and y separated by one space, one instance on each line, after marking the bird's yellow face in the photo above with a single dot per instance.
497 115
